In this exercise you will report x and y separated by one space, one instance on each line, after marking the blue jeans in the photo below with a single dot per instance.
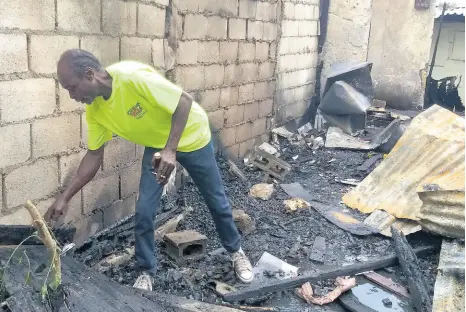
202 167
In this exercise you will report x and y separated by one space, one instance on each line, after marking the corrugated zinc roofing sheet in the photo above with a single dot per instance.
430 151
449 285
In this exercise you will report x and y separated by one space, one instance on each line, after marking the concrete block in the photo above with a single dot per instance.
185 245
261 91
236 28
247 51
217 119
297 78
210 99
262 51
247 8
316 13
231 75
151 20
216 27
273 51
243 132
119 17
209 52
187 52
246 93
195 26
266 11
45 51
79 15
214 75
190 77
138 49
307 28
248 72
259 127
188 5
290 28
300 11
29 14
229 96
245 147
105 49
73 213
265 108
119 210
16 144
284 45
271 87
169 55
13 53
158 53
289 10
68 166
255 30
225 8
22 215
100 193
270 32
228 136
130 178
251 111
28 98
228 51
233 151
234 115
118 153
266 70
88 226
54 135
31 182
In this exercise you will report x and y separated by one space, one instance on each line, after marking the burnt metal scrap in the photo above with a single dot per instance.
343 106
444 92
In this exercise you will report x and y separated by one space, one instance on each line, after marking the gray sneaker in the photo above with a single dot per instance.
144 282
243 267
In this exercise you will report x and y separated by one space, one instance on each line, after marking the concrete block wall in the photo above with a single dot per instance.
224 53
297 58
226 57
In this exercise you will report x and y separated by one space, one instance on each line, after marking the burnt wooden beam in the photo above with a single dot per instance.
15 234
352 269
409 263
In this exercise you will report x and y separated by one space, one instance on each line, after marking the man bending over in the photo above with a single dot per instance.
138 104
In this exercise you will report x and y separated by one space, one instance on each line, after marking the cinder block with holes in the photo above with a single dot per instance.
185 245
269 163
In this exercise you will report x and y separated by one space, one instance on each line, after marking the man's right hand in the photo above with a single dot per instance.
55 211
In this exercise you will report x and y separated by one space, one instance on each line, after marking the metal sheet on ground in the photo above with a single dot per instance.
333 215
432 145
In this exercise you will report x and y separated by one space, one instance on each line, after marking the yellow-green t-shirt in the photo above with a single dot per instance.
140 110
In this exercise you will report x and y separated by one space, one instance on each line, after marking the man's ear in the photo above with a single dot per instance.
89 73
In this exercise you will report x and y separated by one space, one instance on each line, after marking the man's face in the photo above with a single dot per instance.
81 89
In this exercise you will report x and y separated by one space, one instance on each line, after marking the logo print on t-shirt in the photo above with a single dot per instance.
137 111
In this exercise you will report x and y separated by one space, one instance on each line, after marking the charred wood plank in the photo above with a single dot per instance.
275 286
409 263
15 234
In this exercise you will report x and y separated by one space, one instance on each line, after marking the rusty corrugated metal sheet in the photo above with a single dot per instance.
431 151
449 285
442 212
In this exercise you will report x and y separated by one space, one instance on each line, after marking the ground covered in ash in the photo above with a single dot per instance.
316 170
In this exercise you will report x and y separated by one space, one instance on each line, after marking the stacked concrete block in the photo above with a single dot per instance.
227 56
242 60
43 132
297 58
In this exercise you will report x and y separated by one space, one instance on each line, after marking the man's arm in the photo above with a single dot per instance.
86 172
167 161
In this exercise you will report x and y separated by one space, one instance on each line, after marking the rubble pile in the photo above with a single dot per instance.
303 233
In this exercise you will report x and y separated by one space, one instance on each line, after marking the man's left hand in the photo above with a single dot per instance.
166 164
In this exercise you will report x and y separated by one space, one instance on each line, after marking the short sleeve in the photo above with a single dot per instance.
97 135
156 89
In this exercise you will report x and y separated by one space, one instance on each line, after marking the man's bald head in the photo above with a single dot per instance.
79 61
80 72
